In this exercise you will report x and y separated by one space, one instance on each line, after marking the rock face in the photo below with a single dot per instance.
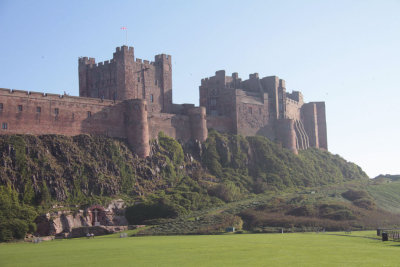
66 221
72 169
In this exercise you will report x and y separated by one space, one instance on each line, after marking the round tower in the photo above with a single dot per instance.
287 134
198 123
137 127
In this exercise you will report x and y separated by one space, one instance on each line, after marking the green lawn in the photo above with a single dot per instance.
308 249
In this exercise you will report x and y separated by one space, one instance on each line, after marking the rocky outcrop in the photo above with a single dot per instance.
66 221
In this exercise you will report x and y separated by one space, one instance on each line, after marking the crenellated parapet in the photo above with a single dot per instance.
124 77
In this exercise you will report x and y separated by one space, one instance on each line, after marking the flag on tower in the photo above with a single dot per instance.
126 34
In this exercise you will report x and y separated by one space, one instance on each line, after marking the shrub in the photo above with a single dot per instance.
365 203
226 191
355 194
16 219
172 147
140 213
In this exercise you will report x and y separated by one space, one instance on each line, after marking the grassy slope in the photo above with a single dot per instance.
313 196
386 195
329 249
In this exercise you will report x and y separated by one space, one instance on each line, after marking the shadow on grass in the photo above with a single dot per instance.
359 236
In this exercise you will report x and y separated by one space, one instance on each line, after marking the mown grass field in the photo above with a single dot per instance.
300 249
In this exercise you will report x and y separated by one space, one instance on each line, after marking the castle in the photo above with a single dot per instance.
132 99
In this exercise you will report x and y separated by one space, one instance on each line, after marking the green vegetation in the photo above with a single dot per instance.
256 164
175 182
302 249
386 195
16 218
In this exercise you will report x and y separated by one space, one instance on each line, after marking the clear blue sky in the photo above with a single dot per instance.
346 53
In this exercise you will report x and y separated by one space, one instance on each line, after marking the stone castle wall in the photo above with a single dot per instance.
261 106
132 98
23 112
124 77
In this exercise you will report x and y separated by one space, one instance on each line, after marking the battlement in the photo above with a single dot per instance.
86 61
253 76
123 51
295 96
162 58
50 96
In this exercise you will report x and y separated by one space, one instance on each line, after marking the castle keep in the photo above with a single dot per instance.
132 99
261 106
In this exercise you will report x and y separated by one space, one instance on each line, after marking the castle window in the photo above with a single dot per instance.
213 101
151 98
89 114
20 108
1 107
138 79
251 110
56 111
38 109
156 82
4 126
259 111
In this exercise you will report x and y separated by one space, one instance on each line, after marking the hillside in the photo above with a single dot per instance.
387 195
83 170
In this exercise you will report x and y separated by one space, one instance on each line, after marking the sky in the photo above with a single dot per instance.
346 53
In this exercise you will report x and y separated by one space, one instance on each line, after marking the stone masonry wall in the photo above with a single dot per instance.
23 112
261 106
123 78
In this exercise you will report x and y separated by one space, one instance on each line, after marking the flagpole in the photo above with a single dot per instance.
126 34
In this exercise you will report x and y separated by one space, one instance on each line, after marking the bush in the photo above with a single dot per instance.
172 147
140 213
335 212
16 219
365 203
226 191
355 194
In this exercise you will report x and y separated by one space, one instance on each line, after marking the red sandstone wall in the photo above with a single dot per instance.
66 115
72 118
293 109
176 126
198 123
251 113
137 128
322 131
309 114
286 134
123 78
220 123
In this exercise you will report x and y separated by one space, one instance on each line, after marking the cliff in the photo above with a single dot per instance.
50 171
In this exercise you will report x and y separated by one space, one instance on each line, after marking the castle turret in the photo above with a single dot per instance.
286 134
198 123
322 131
125 82
137 128
83 64
310 120
163 62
